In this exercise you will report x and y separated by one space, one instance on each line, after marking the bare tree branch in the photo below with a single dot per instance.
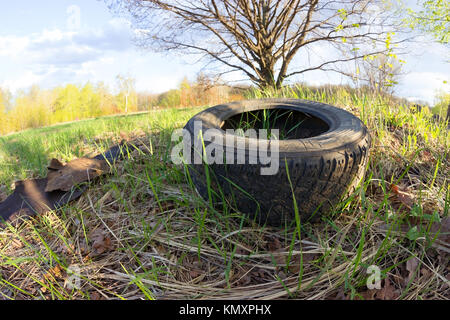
261 38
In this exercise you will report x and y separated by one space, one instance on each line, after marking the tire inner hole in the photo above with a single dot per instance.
291 124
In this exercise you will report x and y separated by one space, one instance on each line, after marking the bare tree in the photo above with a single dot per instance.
126 87
380 73
260 38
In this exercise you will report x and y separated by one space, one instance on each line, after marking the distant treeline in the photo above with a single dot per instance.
39 108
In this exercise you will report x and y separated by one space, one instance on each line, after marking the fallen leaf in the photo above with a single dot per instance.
195 273
340 295
394 188
55 272
281 275
55 164
442 230
259 275
75 172
95 296
295 263
425 272
101 242
411 266
387 292
406 198
273 244
369 294
428 157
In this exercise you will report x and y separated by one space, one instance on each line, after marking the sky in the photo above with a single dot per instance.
52 43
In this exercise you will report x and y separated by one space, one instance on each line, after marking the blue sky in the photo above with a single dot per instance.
41 42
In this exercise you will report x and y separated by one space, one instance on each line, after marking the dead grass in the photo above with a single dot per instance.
144 233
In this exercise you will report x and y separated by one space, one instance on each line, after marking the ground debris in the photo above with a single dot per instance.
101 242
65 177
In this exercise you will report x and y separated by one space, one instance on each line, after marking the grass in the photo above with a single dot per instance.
283 120
144 233
26 154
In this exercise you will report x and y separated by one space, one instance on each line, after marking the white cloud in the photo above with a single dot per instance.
22 81
423 85
158 84
12 45
54 57
115 35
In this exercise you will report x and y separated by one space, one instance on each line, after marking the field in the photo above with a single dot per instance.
144 233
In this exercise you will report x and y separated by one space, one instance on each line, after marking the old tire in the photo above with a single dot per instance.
322 168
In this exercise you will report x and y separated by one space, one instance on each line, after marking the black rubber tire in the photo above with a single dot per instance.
323 168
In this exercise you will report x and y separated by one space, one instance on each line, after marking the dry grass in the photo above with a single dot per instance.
144 233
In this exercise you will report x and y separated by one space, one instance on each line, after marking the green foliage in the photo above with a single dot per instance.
28 152
38 108
441 105
170 99
433 18
2 113
147 202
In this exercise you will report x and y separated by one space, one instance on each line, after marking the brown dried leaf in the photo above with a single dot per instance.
369 294
406 198
75 172
55 164
273 244
195 273
428 157
96 296
425 273
52 274
259 275
443 228
340 295
295 263
101 242
388 291
395 188
411 266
